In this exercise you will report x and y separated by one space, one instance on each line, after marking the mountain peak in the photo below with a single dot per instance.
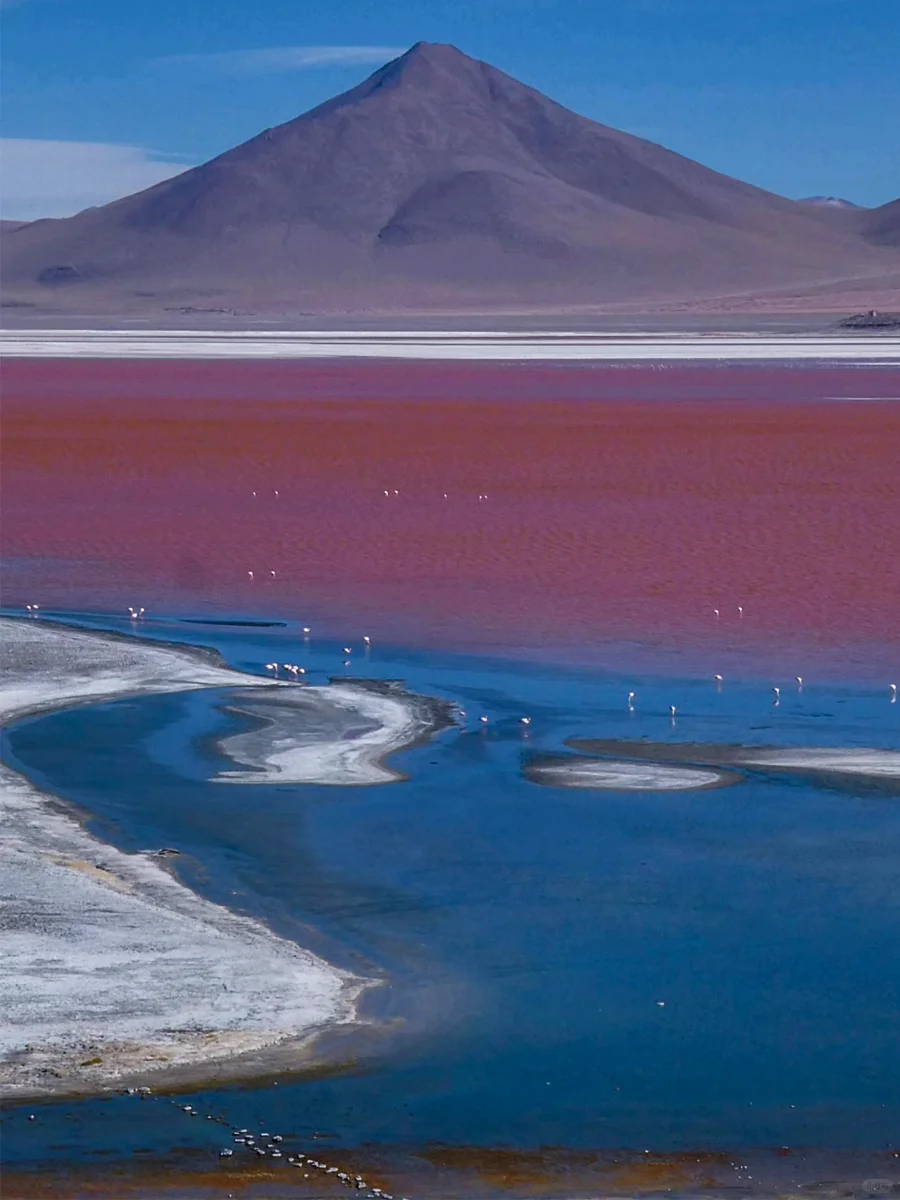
828 202
442 179
435 52
429 61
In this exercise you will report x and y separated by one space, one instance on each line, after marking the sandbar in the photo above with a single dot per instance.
327 735
840 766
614 775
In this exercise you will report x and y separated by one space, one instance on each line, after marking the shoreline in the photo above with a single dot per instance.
557 346
161 985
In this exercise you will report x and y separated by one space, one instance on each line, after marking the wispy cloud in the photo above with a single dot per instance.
279 58
56 179
15 3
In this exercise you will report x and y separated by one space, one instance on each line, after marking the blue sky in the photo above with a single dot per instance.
102 97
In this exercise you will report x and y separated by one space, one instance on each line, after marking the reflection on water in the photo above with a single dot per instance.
605 972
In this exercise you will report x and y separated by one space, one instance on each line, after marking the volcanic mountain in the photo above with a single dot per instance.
438 182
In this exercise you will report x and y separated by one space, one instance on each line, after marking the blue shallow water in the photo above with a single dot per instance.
529 933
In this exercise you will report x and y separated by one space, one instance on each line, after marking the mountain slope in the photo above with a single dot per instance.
439 181
881 226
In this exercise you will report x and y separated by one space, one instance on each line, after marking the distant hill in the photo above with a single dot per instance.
828 202
437 183
882 225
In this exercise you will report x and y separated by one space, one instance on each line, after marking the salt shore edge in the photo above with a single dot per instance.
91 1041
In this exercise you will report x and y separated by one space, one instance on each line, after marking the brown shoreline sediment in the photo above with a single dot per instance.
448 1172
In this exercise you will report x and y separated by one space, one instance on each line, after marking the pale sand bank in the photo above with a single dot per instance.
334 735
879 764
461 345
842 766
110 967
611 775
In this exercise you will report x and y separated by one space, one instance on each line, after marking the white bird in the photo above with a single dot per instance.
306 629
525 720
740 610
672 711
777 691
631 696
347 650
272 573
272 667
718 678
368 641
386 492
893 688
249 574
799 679
716 612
483 720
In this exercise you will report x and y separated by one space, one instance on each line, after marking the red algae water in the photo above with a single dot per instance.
517 508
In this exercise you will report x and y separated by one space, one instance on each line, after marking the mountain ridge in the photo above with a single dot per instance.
437 180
